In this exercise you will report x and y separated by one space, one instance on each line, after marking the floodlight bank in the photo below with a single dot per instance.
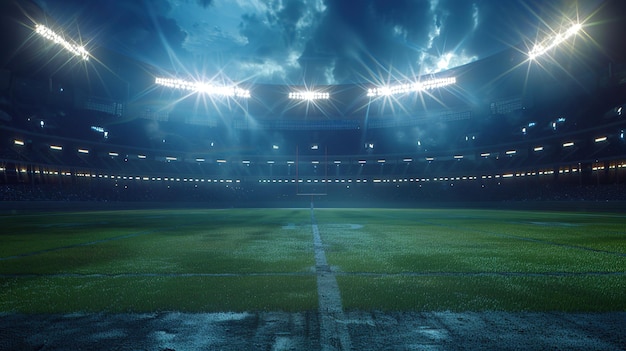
309 95
550 43
411 87
201 87
49 34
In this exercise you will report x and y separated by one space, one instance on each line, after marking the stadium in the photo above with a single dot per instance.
151 204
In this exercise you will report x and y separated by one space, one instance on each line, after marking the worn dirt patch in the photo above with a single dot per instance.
301 331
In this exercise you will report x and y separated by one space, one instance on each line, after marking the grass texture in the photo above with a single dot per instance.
263 260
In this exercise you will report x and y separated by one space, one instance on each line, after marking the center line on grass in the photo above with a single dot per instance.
333 331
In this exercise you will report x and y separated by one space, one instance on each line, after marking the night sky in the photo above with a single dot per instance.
312 42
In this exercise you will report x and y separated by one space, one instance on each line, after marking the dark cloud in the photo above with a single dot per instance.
264 41
412 17
288 19
373 34
456 20
274 36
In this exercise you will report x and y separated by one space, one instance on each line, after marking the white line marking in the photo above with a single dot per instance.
333 331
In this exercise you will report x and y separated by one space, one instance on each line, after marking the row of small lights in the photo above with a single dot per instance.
309 95
247 162
73 48
563 170
201 87
549 43
120 177
412 87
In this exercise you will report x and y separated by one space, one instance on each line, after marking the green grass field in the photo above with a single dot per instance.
263 259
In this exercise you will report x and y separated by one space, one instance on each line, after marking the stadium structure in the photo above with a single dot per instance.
480 207
518 125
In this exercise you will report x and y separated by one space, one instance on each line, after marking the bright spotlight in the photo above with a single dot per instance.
411 87
201 87
309 95
72 47
549 43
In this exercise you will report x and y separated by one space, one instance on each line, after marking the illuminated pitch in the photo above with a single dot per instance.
542 48
49 34
205 88
309 95
412 87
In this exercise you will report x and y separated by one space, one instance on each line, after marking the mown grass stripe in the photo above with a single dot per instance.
522 238
94 242
305 274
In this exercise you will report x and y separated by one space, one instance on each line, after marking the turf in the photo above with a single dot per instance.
263 259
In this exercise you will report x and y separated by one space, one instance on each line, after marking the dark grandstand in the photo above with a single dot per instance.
500 133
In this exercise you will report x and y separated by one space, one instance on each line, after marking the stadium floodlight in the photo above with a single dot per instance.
538 148
72 47
56 147
549 43
18 142
411 87
83 151
511 152
202 87
601 139
309 95
568 144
